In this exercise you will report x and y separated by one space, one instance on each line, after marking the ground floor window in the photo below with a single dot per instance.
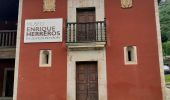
130 55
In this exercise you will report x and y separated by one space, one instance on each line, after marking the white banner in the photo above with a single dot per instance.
43 30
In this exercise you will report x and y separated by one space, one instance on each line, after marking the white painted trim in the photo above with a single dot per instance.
160 50
86 55
17 50
41 58
73 4
4 80
135 60
90 55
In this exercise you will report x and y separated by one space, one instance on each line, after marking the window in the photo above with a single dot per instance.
45 58
130 55
8 82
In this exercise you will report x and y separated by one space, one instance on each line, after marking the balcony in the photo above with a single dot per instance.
6 98
7 43
86 35
8 38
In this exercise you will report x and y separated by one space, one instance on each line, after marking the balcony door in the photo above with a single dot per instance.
86 25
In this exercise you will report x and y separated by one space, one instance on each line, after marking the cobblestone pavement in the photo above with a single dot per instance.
167 93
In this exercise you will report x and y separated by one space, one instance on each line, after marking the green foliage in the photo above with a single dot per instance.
164 10
159 1
167 78
164 38
166 48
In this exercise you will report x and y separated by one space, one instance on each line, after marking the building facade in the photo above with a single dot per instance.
88 50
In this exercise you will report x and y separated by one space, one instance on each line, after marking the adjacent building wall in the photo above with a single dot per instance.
8 25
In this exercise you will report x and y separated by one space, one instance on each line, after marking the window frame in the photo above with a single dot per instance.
41 58
134 59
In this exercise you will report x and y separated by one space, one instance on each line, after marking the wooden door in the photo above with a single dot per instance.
86 81
86 26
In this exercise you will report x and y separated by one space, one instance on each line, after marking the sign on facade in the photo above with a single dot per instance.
43 30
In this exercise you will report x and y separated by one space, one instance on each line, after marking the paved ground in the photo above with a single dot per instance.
167 93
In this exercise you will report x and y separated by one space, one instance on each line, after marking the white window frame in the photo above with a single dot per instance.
41 64
135 60
4 80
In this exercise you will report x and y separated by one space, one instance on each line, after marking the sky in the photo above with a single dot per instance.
8 9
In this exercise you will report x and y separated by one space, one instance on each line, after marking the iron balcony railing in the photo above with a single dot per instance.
86 32
8 38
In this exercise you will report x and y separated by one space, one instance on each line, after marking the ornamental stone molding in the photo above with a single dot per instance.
49 5
126 3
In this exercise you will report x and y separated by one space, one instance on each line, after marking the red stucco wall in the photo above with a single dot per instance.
125 27
37 83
